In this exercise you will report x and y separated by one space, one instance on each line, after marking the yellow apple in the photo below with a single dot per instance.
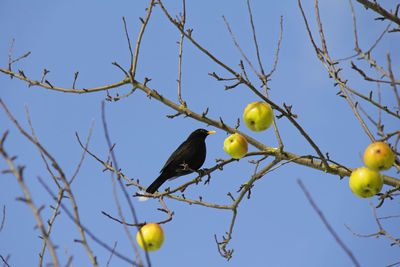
236 146
152 237
365 182
378 156
258 116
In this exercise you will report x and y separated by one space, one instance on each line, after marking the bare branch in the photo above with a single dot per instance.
87 231
4 261
61 177
112 253
131 207
327 225
4 211
277 50
393 82
18 173
182 22
240 50
139 39
380 10
61 89
83 153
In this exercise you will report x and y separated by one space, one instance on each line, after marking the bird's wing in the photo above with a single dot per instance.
176 156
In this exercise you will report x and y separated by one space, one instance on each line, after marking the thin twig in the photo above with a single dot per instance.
183 21
4 261
240 49
255 39
112 253
3 218
69 262
382 231
131 207
130 47
10 60
277 50
75 77
10 53
121 222
50 224
354 24
393 82
83 153
139 39
326 223
40 150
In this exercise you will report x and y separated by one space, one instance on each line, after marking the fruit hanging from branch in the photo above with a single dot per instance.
152 237
378 156
365 182
236 146
258 116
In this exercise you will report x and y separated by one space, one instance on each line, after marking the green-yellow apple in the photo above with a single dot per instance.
378 156
152 237
365 182
236 146
258 116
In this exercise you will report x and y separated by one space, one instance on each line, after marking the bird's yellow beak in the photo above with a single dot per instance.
210 132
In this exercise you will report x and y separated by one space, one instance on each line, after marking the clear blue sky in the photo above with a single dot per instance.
277 226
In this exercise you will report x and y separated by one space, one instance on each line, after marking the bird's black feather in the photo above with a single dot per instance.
191 153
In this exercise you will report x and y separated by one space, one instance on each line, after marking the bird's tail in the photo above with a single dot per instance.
156 184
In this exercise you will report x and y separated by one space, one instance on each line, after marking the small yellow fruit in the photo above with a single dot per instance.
236 146
365 182
378 156
153 237
258 116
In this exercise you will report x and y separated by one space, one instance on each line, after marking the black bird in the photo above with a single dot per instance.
189 156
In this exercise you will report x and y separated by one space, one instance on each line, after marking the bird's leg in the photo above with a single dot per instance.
200 172
208 176
186 167
203 172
